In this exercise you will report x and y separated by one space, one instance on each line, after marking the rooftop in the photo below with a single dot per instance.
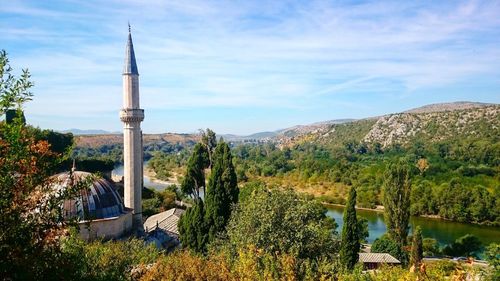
377 258
166 221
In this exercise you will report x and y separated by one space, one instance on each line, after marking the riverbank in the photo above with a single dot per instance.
152 177
379 208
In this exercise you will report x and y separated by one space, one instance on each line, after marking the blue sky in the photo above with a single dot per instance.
248 66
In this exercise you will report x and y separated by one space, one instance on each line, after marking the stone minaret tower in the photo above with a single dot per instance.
131 115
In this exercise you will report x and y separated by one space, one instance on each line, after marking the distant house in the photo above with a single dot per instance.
161 229
375 260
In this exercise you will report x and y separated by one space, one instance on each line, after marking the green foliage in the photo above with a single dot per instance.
385 244
282 222
397 189
362 230
14 92
154 202
113 260
193 228
467 245
350 245
416 253
195 172
430 247
31 217
492 255
222 191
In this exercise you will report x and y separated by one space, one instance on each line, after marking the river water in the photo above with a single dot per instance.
444 232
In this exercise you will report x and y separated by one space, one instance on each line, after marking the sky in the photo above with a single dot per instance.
249 66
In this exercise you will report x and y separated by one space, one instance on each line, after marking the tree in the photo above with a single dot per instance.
396 199
195 172
430 247
385 244
192 228
209 140
277 221
492 255
222 190
31 220
349 250
416 248
14 92
363 230
467 245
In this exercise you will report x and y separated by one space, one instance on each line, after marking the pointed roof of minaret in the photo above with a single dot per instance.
130 66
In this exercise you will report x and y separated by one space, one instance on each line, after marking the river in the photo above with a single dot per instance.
118 171
444 232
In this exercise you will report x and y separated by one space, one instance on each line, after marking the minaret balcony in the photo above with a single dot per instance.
132 115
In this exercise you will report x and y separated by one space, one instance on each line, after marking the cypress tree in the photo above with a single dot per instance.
416 247
192 228
195 173
222 190
349 251
396 199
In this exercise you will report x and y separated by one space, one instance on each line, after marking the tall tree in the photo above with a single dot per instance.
209 140
416 247
349 250
195 172
222 190
396 199
192 228
31 217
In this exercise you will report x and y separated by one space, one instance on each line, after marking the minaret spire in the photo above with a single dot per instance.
132 115
130 66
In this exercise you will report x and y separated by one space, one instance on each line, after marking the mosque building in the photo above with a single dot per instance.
99 209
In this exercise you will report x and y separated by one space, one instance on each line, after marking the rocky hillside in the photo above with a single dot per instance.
402 128
432 123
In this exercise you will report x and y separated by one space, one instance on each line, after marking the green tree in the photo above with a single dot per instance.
396 189
467 245
31 220
193 229
14 92
278 221
385 244
416 247
349 249
209 141
195 172
430 247
222 190
492 255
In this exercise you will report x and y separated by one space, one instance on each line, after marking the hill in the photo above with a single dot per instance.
431 123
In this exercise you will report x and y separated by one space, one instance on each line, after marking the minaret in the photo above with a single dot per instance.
131 115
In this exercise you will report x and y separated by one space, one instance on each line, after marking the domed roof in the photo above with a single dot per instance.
99 200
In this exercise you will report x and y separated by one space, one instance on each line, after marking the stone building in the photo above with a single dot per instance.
132 115
98 207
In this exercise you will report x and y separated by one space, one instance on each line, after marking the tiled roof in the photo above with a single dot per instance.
166 221
377 258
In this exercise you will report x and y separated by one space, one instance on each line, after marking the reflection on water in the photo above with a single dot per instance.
444 232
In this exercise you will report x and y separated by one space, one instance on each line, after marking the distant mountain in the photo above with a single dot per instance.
432 123
78 132
450 106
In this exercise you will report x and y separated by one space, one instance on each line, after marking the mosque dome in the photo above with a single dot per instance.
99 200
